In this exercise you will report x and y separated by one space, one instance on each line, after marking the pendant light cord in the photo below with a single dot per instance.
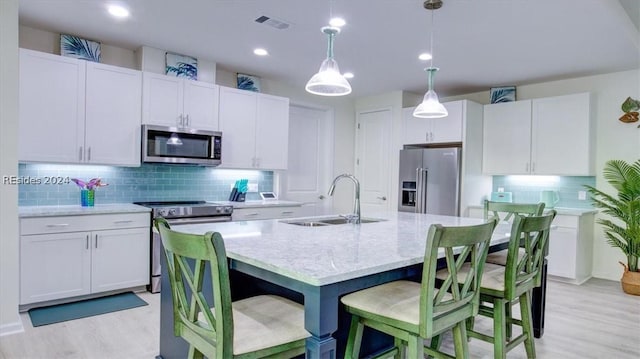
433 27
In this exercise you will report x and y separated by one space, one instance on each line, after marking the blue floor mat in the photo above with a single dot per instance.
86 308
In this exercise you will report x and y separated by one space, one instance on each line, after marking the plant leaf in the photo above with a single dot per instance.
630 105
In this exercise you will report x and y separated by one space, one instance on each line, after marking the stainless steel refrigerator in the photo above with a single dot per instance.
430 181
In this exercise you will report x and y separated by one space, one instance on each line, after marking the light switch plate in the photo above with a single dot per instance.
582 195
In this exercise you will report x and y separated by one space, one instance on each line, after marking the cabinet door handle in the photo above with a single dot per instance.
286 212
80 153
188 121
87 244
382 198
533 167
89 154
527 167
321 197
251 214
57 225
123 221
96 241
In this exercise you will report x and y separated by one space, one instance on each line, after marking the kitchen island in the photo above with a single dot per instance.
321 263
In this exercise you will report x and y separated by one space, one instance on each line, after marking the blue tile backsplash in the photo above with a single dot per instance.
527 188
149 182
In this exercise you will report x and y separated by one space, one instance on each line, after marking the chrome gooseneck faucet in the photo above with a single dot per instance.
355 216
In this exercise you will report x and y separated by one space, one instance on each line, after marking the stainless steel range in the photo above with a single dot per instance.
180 212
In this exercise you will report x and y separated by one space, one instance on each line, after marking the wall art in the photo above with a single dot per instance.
248 82
181 66
503 94
74 46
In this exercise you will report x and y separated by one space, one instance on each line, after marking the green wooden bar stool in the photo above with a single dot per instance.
256 327
412 312
508 210
504 286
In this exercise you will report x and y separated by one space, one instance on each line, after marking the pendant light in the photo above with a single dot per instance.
329 81
431 106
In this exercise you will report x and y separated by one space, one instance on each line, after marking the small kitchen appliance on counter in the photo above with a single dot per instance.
550 198
180 212
501 197
239 191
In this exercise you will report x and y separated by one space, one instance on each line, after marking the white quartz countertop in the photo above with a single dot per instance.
330 254
260 204
73 210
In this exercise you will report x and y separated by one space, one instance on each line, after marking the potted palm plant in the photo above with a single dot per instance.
623 229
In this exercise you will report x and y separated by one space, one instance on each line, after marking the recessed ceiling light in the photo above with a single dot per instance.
261 52
118 11
424 56
348 75
337 22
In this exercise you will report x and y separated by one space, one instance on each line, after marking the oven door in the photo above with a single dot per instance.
181 145
156 246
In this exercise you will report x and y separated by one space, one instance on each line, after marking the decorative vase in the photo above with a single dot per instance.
630 281
87 197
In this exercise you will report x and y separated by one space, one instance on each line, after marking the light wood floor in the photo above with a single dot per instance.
594 320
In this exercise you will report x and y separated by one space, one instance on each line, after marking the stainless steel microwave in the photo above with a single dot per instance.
164 144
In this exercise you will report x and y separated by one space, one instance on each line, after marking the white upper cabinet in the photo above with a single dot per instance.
112 132
507 138
73 111
547 136
433 130
237 122
272 132
255 129
178 102
562 136
51 127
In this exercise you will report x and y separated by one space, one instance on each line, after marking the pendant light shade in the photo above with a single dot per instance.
430 106
329 81
174 140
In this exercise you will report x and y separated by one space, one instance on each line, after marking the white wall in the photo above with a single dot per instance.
9 319
614 139
145 58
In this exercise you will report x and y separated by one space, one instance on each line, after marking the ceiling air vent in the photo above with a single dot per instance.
276 23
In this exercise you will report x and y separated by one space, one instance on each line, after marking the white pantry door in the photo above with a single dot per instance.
373 144
310 160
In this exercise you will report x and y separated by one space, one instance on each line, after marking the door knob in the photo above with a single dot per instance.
382 198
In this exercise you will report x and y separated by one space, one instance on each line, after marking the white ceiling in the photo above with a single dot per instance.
478 43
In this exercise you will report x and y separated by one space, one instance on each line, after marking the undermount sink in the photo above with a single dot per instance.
319 222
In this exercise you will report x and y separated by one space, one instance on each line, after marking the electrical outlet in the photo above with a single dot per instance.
500 189
582 195
252 187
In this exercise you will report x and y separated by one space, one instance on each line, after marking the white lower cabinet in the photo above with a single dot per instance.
251 214
54 266
571 248
117 259
70 256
